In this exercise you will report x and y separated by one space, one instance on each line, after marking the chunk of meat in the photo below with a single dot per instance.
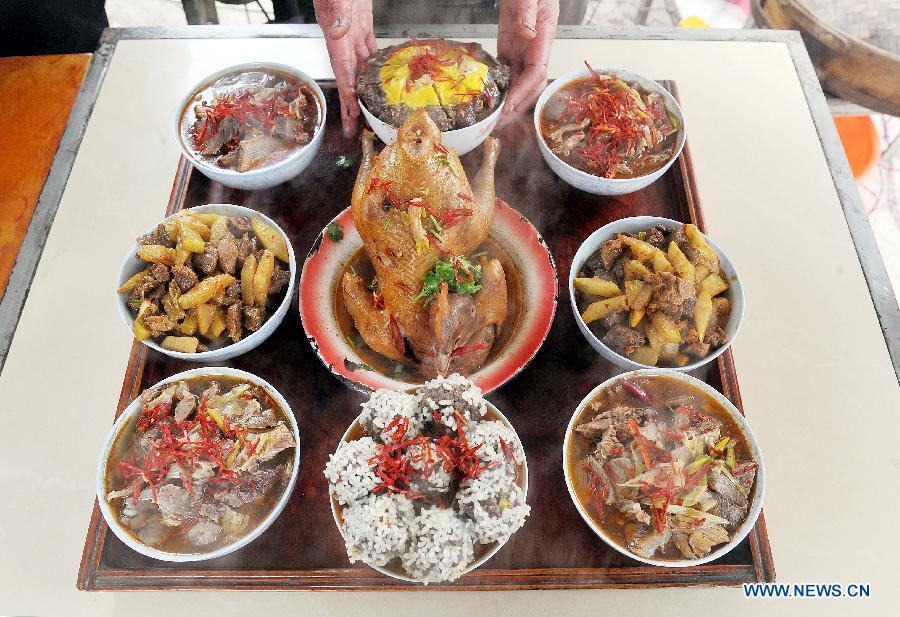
645 541
233 321
280 278
227 249
610 251
232 294
669 292
656 237
240 224
253 317
715 337
246 246
207 260
225 131
254 487
203 532
720 484
633 511
175 505
704 539
609 445
160 273
268 446
616 416
623 338
185 277
256 150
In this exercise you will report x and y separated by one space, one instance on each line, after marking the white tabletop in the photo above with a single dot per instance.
818 384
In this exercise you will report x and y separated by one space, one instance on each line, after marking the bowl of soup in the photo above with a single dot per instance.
663 468
252 126
198 465
608 131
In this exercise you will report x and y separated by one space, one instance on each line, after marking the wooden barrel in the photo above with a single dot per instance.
839 36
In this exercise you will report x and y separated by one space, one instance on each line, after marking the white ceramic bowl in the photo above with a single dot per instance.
132 265
134 409
633 224
758 490
522 481
462 140
589 182
263 177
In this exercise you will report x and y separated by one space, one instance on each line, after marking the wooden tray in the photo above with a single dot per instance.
303 549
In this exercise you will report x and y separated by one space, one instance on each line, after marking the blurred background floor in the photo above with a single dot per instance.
878 180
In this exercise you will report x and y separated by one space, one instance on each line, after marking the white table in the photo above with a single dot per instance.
817 378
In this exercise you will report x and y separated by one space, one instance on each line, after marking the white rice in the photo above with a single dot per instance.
386 405
377 529
442 546
438 479
448 395
494 506
349 472
489 434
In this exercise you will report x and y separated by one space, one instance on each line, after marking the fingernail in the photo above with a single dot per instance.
337 24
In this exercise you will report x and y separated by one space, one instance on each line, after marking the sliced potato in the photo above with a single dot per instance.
170 303
181 254
262 278
635 270
602 308
701 270
207 218
184 344
642 251
637 315
141 331
218 229
643 298
248 271
189 325
654 338
681 263
205 313
157 254
665 326
702 312
218 324
632 289
205 290
189 238
668 352
661 263
722 306
713 285
597 286
698 241
196 224
132 282
645 355
270 239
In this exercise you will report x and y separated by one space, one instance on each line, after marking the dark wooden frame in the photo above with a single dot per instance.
93 575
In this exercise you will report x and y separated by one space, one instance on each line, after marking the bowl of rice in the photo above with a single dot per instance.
429 484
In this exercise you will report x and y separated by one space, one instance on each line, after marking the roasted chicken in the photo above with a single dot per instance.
413 204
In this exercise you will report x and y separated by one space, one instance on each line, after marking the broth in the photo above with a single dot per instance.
407 371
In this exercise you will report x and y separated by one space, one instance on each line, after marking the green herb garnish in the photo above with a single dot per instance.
335 231
443 160
343 162
461 276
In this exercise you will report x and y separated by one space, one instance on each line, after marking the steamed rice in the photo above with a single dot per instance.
434 506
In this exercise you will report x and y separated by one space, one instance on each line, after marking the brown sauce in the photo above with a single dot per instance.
408 371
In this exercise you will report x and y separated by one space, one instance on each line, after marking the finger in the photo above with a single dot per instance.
366 25
334 17
343 63
524 92
526 18
538 51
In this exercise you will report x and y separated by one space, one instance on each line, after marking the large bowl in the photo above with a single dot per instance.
522 481
758 491
634 224
319 282
589 182
462 140
134 409
132 265
263 177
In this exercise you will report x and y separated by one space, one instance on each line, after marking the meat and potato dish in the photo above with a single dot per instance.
656 296
457 84
207 275
201 465
250 120
662 468
431 303
609 128
427 482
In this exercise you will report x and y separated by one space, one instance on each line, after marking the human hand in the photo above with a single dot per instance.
350 39
527 29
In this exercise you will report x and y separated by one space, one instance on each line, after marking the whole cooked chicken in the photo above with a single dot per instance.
420 220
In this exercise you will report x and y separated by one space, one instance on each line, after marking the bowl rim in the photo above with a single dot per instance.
522 482
241 68
542 323
566 78
743 425
134 407
246 343
452 132
737 316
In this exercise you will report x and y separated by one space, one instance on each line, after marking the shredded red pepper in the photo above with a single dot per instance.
461 351
396 336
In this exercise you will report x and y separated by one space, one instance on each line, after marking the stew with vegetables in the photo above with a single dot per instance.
662 468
